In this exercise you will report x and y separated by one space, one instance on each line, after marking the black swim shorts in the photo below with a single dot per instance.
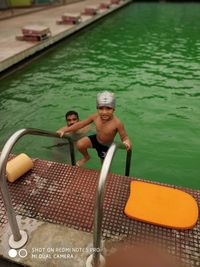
100 148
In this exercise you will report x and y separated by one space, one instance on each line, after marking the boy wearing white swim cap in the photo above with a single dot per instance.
107 126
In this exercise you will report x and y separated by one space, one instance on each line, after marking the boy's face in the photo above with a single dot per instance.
105 113
71 120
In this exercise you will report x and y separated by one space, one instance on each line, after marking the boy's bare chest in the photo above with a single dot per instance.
107 127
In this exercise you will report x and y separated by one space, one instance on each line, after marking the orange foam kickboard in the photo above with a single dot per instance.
161 205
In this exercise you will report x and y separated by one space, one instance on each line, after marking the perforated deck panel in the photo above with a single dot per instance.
58 193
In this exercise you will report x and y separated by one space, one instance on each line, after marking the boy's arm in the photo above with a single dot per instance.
86 129
76 126
123 135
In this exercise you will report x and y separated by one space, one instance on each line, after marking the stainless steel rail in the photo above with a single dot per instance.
100 197
3 161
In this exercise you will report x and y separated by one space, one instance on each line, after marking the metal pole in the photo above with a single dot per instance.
128 162
99 203
4 187
3 162
71 149
9 208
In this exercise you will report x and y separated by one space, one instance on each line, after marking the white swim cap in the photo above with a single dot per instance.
106 99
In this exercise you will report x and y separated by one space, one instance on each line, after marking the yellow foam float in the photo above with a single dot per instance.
18 166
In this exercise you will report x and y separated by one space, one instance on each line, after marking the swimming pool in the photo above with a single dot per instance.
149 55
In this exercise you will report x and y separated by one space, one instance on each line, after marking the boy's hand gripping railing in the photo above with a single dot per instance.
19 237
96 259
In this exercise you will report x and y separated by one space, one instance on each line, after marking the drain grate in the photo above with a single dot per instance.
63 194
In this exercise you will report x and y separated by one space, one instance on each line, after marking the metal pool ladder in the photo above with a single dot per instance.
20 237
96 259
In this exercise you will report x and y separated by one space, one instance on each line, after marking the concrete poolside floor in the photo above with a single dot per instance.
14 12
48 245
13 51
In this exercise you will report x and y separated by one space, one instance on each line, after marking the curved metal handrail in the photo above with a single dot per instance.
3 161
100 191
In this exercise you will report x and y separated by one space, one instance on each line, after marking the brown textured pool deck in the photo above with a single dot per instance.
63 194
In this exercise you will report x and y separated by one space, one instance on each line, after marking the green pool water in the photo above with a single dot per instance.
149 55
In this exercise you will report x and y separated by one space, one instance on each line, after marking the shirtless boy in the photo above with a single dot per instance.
107 126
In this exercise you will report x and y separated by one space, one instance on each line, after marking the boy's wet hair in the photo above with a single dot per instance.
106 99
70 113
